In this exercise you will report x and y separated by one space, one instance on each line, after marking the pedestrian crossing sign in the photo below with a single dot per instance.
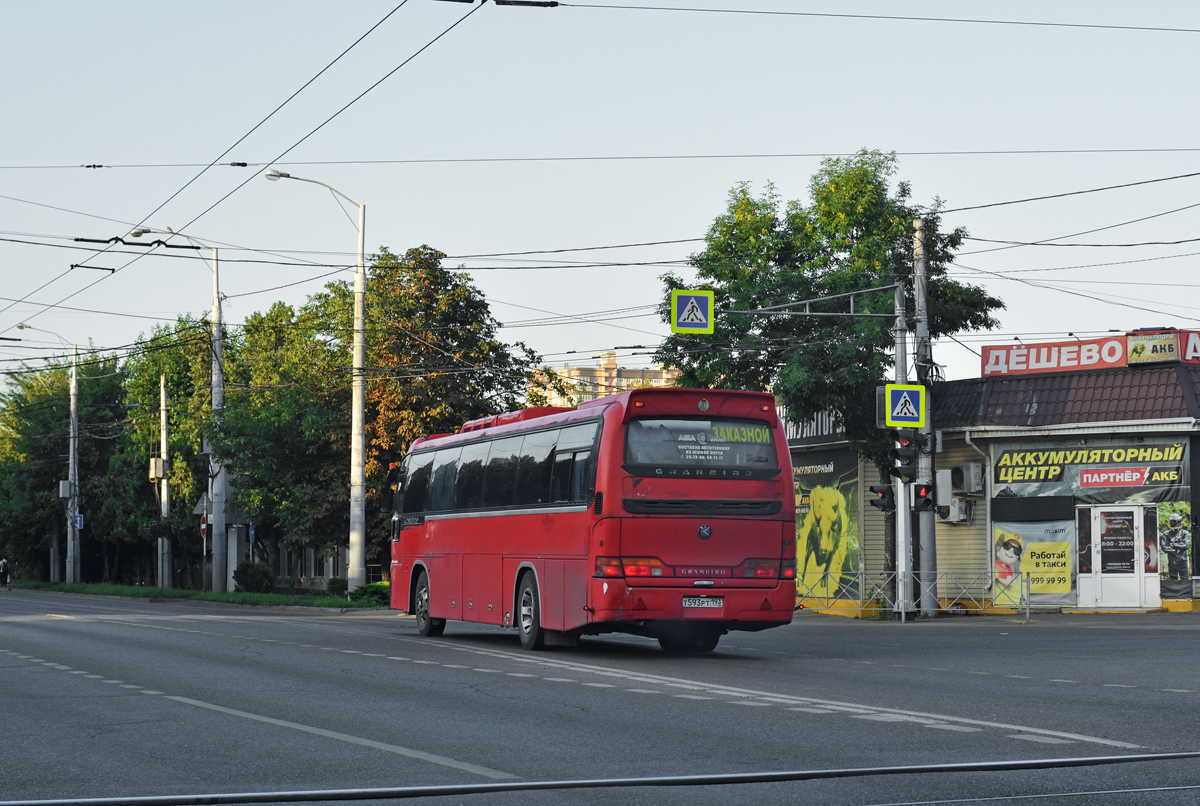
905 405
691 311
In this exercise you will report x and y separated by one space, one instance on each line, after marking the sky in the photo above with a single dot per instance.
490 140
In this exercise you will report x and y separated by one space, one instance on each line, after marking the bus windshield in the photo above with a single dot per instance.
681 443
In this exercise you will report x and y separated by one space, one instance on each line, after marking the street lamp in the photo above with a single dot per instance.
72 495
356 573
217 481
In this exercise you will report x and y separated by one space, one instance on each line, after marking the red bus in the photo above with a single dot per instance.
668 513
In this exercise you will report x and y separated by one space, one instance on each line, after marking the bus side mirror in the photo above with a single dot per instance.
387 496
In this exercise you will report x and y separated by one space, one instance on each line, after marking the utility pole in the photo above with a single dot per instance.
164 493
356 574
903 522
220 569
925 446
73 476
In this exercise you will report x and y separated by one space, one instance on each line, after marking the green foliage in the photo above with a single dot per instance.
145 592
376 593
251 577
854 235
336 586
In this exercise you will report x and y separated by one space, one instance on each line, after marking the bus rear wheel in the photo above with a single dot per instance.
529 615
426 625
687 641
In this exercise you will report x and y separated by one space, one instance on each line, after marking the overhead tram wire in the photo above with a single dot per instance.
629 157
210 165
895 17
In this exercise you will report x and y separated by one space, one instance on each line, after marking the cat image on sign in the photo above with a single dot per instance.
822 541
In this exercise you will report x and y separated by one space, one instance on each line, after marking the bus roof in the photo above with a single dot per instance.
669 401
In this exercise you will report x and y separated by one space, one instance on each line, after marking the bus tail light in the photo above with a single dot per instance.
789 572
609 567
761 569
645 567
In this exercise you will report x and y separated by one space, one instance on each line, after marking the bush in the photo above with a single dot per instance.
336 586
377 593
254 578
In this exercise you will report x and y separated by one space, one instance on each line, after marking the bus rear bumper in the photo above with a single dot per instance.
618 606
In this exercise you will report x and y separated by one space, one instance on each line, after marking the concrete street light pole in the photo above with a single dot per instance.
220 570
356 573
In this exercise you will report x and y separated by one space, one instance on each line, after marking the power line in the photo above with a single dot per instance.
1070 193
757 12
622 157
202 172
1048 241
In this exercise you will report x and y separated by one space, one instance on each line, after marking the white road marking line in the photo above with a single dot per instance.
1020 677
150 691
1058 680
371 655
1177 690
643 691
559 679
393 657
976 672
351 651
342 737
78 672
882 717
489 671
748 702
455 666
520 674
94 676
676 696
129 685
963 724
1040 739
805 710
595 685
1117 685
118 682
433 662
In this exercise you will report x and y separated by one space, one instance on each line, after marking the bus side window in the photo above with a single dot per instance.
560 478
416 488
533 468
468 485
441 489
580 477
500 474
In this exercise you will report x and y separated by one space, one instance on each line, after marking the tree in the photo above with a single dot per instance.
854 235
433 361
34 439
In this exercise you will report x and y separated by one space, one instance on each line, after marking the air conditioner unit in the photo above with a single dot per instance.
967 478
959 511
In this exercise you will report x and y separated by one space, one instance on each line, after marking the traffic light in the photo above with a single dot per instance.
885 500
923 498
905 455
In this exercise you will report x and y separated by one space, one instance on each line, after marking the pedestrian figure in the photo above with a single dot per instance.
4 576
1175 542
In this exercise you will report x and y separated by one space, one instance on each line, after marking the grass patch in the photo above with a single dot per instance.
315 599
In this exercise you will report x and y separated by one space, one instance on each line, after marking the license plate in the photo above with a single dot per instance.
703 601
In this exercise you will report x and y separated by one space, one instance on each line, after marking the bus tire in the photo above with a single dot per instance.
529 615
426 625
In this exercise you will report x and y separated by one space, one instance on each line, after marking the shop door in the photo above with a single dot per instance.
1116 556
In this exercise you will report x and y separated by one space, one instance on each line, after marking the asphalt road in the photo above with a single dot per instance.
105 698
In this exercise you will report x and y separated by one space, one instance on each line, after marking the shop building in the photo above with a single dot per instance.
1069 484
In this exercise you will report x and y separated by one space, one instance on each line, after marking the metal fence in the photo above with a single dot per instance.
957 591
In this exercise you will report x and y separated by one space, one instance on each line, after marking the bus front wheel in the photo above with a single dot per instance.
529 615
426 624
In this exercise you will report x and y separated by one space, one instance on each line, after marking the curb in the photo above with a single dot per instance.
294 609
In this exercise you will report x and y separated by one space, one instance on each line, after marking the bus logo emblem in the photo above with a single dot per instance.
705 532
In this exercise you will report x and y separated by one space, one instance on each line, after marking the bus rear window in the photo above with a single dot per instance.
702 444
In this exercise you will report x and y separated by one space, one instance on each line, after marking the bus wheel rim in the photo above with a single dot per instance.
527 611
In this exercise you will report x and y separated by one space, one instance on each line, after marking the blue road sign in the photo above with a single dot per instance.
78 520
691 311
252 533
905 405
